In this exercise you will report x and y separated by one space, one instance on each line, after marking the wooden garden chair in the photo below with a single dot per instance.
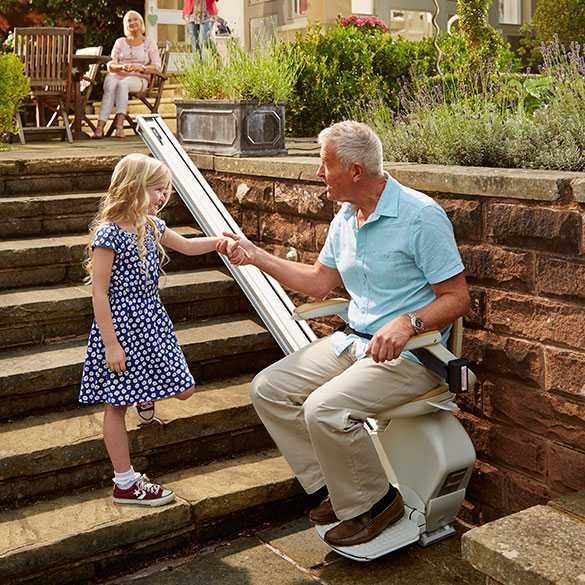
47 54
152 95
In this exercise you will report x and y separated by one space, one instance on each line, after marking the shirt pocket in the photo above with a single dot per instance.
390 270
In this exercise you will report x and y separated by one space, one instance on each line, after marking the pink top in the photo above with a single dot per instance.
145 53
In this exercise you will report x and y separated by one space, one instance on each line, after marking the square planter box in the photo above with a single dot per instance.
231 128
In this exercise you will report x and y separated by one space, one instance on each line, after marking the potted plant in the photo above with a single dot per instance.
234 103
14 87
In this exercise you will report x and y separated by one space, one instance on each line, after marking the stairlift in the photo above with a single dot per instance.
423 448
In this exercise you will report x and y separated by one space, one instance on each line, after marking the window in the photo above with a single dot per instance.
510 11
299 7
362 6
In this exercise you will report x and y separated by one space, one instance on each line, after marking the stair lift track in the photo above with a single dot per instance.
264 293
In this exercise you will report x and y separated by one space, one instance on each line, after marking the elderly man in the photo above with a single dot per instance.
394 251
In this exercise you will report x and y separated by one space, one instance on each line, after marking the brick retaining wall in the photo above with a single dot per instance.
521 235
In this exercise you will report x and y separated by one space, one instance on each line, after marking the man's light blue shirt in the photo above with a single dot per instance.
389 264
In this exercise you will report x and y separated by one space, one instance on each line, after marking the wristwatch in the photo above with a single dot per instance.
417 323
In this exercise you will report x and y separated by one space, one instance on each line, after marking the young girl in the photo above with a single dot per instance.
133 355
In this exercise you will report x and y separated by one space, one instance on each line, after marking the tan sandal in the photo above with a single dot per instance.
120 133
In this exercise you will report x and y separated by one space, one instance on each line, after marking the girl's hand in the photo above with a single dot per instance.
116 358
238 249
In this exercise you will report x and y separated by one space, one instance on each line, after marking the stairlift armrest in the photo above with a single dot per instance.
423 340
443 354
337 306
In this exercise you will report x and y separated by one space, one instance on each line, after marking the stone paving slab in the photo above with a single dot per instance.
48 535
38 369
537 546
30 305
57 441
292 554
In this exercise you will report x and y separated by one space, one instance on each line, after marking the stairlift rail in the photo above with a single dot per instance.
264 293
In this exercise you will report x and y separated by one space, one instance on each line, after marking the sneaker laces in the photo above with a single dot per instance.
145 484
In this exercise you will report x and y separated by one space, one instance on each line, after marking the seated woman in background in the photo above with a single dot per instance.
134 58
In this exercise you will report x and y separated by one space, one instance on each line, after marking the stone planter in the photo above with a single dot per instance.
231 128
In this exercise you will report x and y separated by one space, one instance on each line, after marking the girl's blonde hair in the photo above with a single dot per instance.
127 18
127 200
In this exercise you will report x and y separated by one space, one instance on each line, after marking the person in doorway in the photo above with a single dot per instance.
200 16
394 250
134 59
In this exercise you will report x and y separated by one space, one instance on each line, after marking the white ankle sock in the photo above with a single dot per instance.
125 479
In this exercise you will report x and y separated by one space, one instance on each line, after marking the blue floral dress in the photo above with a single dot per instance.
156 365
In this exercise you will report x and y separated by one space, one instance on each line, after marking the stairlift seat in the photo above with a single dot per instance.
419 405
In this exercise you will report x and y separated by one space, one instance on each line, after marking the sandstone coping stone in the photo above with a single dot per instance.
483 181
579 189
537 546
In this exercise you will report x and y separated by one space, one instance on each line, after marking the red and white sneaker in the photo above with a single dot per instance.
143 493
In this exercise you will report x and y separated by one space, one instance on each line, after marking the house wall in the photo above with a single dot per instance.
522 238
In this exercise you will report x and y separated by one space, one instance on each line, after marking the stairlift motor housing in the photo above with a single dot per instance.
423 448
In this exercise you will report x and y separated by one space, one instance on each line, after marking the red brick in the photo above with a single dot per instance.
517 449
321 230
536 318
303 200
521 492
535 411
249 224
478 430
565 371
474 344
518 358
465 217
486 490
553 230
288 231
476 316
496 266
256 194
566 468
224 187
560 277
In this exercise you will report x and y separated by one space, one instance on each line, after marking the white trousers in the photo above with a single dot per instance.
116 90
314 403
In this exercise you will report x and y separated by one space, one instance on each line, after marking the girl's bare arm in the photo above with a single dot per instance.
189 246
103 259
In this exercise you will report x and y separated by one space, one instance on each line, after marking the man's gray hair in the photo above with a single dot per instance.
355 142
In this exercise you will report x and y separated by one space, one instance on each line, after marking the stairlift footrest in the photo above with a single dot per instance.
428 538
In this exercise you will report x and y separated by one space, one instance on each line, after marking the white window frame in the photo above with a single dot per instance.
510 12
295 9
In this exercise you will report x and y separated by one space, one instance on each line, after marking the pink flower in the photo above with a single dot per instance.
364 22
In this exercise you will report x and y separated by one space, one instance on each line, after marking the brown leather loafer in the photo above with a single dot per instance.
323 513
366 526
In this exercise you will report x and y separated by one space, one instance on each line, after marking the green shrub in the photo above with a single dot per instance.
484 119
14 87
561 19
343 67
266 75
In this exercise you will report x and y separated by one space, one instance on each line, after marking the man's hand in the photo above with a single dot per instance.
389 341
239 249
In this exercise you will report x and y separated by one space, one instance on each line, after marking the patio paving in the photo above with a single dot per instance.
292 554
114 146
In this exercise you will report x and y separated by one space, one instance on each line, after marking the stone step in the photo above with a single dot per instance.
34 316
46 377
28 262
85 537
64 451
64 213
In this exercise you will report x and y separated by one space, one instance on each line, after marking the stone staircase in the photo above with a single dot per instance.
57 521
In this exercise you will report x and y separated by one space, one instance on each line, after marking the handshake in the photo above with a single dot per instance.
238 249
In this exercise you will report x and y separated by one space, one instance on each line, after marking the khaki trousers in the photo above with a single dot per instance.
313 404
